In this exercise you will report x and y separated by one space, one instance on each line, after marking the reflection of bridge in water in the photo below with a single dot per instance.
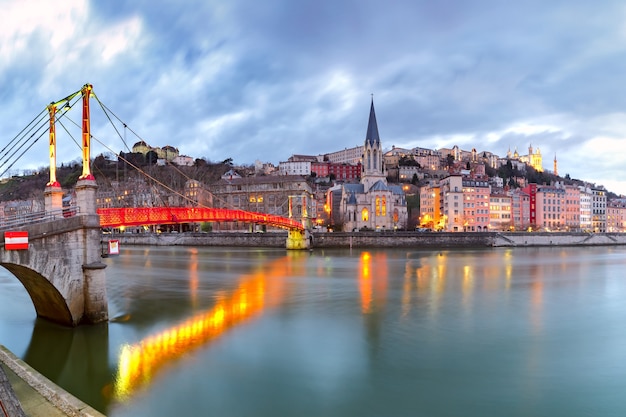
139 363
61 267
266 288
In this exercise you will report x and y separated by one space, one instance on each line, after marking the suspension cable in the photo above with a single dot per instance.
29 136
22 144
38 127
107 111
24 131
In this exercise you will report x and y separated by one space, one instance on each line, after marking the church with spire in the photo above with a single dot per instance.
371 204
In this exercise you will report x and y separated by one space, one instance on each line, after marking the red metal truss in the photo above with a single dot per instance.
144 216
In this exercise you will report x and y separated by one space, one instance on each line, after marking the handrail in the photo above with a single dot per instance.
17 220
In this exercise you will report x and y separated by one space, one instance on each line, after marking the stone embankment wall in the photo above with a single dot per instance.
201 239
374 239
559 239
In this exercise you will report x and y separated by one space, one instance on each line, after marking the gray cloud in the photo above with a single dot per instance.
264 80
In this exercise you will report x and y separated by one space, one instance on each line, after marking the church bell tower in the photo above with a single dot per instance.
372 165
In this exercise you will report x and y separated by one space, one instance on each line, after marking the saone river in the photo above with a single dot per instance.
265 332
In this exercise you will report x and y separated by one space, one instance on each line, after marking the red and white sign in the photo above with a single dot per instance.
114 247
15 240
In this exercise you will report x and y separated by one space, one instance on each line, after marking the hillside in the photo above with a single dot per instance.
107 171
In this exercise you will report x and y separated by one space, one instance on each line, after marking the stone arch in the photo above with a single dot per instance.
47 300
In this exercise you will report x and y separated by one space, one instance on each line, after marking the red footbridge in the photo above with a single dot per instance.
146 216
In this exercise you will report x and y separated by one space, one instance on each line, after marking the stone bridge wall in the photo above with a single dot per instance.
61 269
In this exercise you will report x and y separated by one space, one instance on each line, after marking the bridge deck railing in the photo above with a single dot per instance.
137 216
17 220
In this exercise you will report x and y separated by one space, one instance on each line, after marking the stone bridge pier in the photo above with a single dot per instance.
62 269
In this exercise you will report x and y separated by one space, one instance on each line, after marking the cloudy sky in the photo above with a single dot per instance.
263 80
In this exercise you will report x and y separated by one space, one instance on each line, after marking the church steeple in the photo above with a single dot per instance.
372 137
372 165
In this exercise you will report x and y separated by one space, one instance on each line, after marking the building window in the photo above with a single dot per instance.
365 215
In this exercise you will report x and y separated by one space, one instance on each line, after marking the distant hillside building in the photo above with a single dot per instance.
345 156
182 160
341 172
427 158
231 174
167 153
295 167
533 159
264 168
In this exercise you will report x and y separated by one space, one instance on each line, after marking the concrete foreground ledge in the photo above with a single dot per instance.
9 403
38 395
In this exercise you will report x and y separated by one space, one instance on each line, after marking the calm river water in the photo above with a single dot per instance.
265 332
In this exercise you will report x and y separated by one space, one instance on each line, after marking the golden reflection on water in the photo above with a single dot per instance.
437 282
467 286
508 268
193 276
140 362
365 282
373 276
406 289
434 273
536 312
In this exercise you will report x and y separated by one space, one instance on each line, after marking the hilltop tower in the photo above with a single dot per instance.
556 171
535 159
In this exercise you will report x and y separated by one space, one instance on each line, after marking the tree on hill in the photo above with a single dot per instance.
151 157
408 161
